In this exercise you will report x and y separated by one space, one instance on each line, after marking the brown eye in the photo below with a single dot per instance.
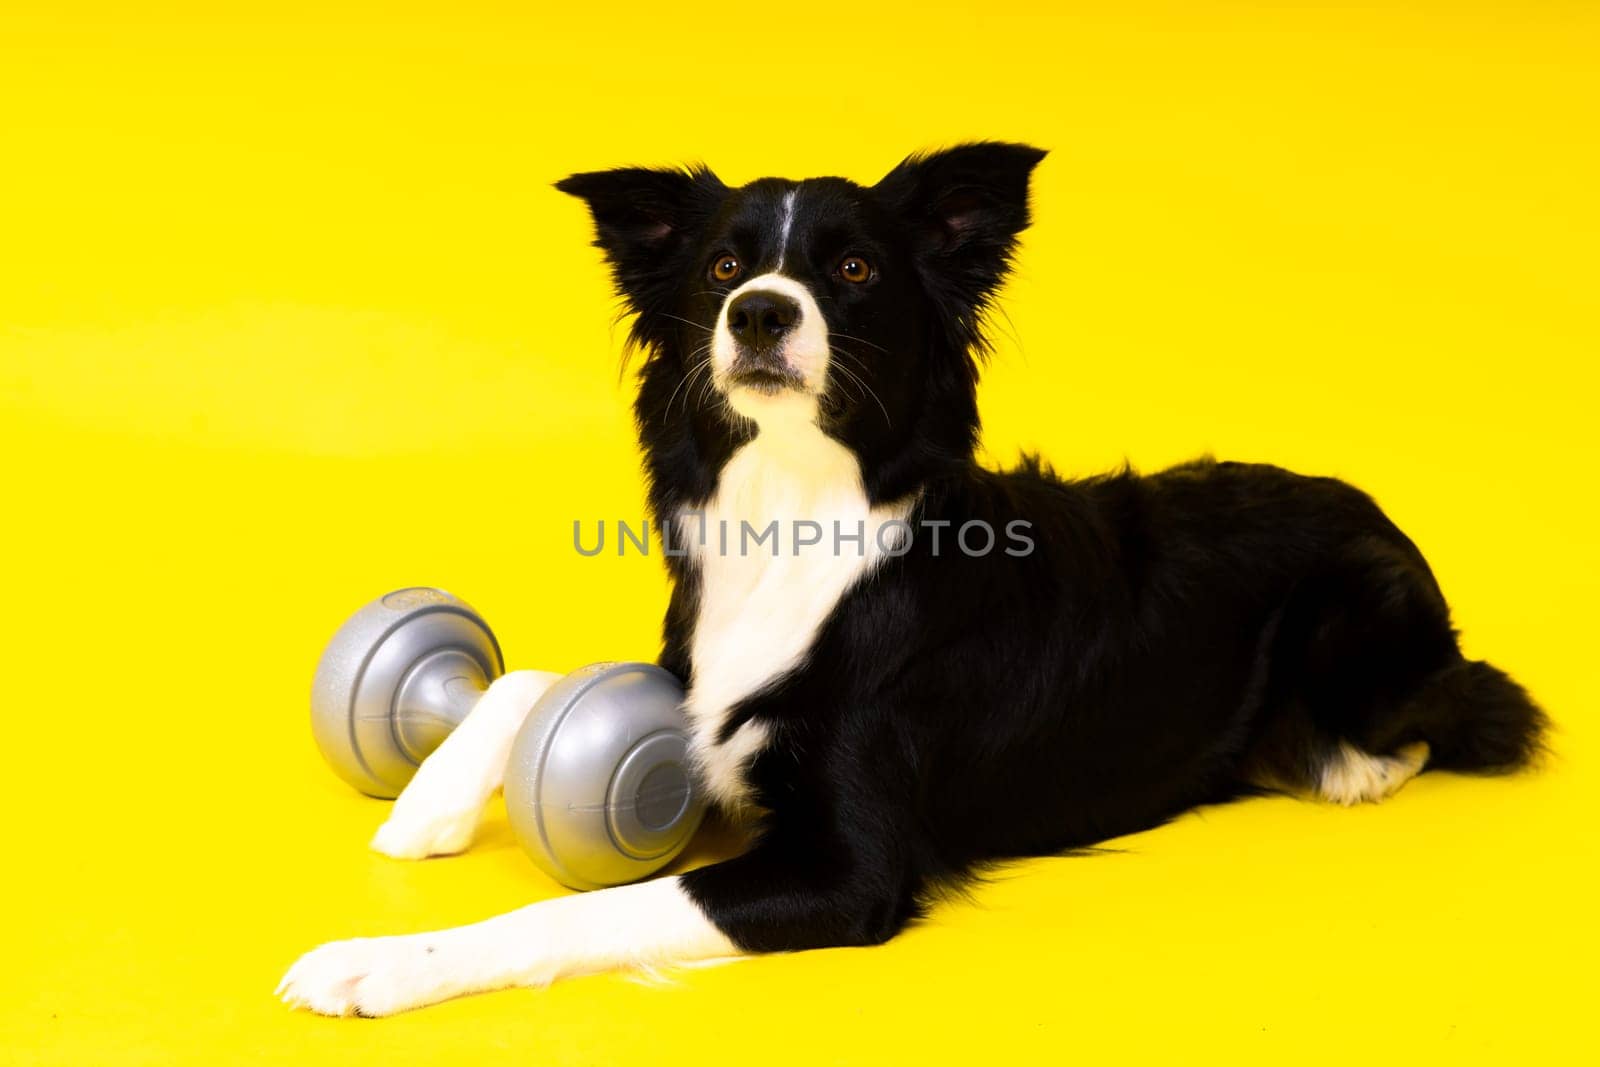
725 267
855 269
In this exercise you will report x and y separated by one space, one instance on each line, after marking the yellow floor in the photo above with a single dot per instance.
289 315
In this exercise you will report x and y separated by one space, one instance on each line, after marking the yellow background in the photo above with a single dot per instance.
290 315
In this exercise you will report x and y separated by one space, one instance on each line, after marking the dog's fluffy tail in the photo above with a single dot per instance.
1476 718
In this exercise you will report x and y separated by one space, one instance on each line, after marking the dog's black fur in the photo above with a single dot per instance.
1173 640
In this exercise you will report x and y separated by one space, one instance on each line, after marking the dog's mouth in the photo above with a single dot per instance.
764 379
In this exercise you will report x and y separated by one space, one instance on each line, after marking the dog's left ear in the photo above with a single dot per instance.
643 218
965 206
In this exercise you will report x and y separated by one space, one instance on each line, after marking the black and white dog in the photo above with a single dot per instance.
968 665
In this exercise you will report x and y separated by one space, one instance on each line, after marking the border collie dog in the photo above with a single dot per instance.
890 707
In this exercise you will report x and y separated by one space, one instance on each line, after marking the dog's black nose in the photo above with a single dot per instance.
761 317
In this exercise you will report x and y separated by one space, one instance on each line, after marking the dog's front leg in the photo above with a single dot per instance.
791 891
438 812
633 925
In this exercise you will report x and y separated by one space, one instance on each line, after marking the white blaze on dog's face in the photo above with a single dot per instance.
769 346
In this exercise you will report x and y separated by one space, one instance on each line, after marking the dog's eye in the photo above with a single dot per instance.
855 269
725 267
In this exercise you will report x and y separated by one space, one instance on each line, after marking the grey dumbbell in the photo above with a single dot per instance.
598 788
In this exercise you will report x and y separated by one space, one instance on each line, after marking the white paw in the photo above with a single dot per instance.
368 976
413 832
1352 776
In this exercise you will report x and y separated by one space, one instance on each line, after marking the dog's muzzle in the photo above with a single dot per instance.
760 322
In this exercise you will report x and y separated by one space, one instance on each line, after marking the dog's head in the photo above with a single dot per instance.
855 308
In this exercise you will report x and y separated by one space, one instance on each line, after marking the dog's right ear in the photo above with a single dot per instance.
643 220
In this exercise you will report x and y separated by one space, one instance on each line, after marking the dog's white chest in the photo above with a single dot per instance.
760 610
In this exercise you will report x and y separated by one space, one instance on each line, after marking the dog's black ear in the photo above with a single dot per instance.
965 207
643 219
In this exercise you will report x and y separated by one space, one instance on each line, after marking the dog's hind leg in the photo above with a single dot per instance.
1372 689
438 812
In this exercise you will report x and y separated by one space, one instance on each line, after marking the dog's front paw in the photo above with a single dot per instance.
413 832
367 977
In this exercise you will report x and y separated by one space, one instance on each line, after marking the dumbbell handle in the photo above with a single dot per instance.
434 698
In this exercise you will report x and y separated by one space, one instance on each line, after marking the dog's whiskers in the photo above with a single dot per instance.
852 376
858 340
685 380
686 322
